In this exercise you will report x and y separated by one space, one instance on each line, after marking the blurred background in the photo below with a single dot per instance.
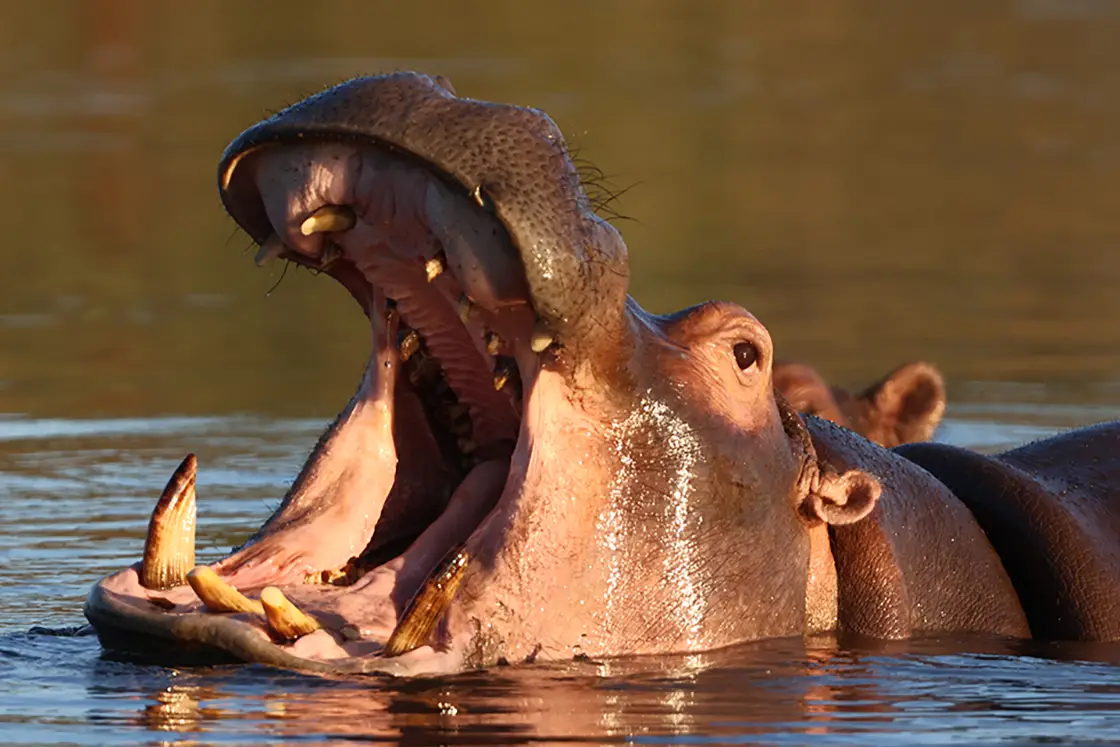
877 181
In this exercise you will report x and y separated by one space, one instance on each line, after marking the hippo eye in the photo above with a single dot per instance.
746 355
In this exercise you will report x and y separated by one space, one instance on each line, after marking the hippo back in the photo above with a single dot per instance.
1051 509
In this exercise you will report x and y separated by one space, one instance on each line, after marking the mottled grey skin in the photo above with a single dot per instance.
662 497
904 406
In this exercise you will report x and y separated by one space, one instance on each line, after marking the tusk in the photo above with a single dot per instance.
284 618
329 218
272 248
541 338
434 267
218 595
427 607
169 547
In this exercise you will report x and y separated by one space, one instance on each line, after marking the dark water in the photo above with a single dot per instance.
877 181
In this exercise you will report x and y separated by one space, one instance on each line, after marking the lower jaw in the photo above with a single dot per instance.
356 620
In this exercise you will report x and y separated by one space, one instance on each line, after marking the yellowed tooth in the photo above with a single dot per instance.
467 446
272 248
169 547
434 267
501 377
284 618
329 218
541 337
409 345
493 343
218 595
428 606
465 308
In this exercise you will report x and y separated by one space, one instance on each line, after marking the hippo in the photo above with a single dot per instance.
533 468
904 406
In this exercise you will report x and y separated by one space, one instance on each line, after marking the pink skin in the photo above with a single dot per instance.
336 502
552 571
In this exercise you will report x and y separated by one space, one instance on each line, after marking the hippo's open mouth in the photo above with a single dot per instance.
463 232
381 516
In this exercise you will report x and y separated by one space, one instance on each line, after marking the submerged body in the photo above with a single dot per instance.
534 468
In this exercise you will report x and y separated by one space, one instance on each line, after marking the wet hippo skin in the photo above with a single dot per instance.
534 468
904 406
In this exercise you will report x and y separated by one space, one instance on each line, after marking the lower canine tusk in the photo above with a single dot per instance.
169 547
218 595
284 618
329 218
428 606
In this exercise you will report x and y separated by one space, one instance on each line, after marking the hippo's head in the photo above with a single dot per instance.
532 466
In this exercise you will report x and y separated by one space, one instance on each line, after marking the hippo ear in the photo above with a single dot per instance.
842 499
806 391
907 404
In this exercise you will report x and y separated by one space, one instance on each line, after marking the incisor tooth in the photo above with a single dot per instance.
169 547
218 595
284 618
541 338
272 248
434 267
329 218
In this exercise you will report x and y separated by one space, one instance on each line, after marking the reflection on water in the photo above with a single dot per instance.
877 181
77 495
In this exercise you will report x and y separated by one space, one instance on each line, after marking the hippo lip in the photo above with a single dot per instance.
405 484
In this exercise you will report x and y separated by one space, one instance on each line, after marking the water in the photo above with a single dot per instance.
876 181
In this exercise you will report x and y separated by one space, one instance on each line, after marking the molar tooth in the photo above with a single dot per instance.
465 308
329 218
467 446
409 345
457 411
425 610
435 266
284 618
493 343
541 337
503 370
169 547
218 595
272 248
